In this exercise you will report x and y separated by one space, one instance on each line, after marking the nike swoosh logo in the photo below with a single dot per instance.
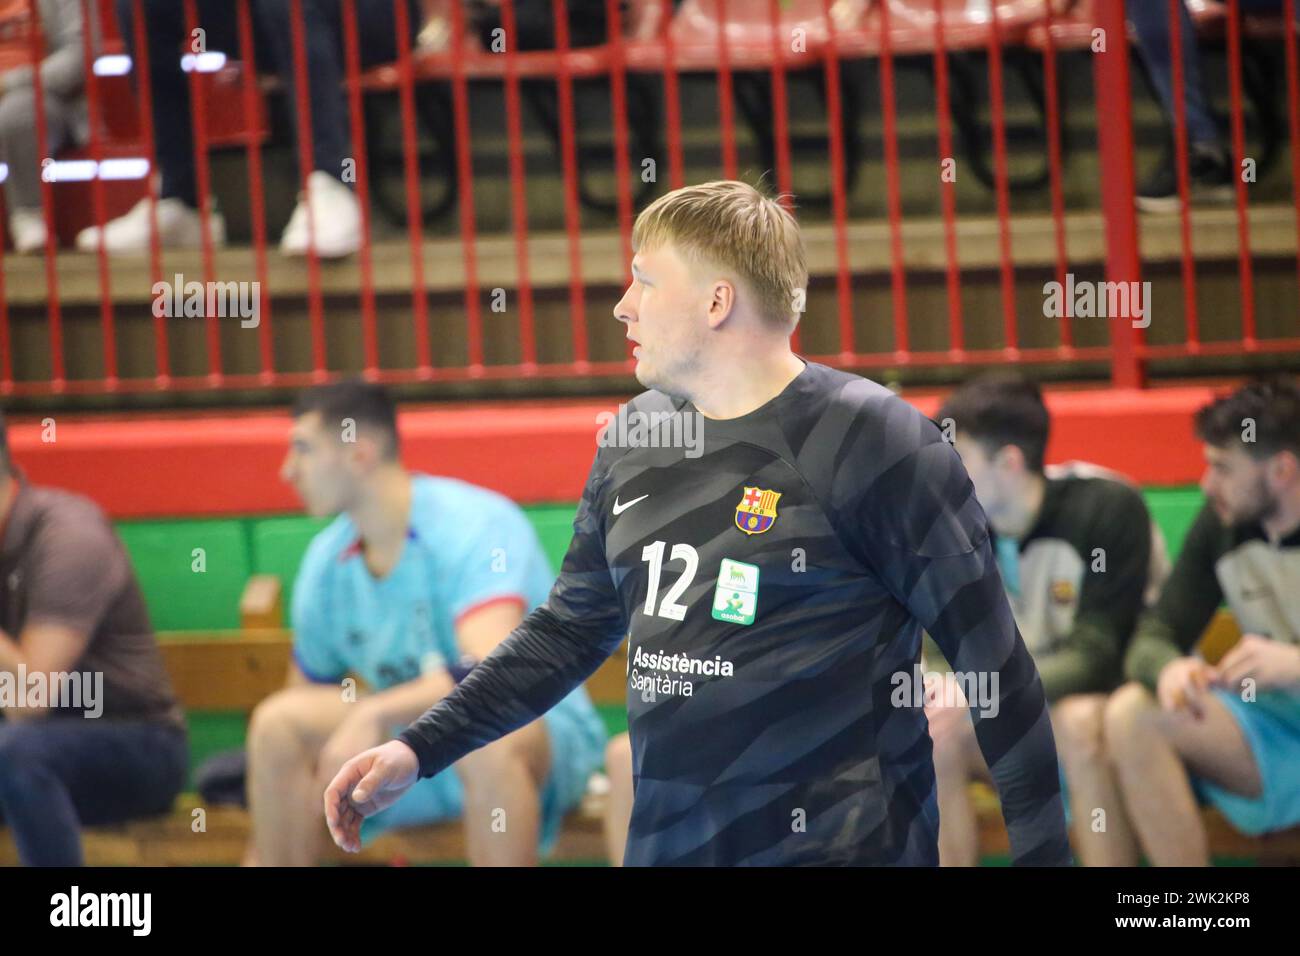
619 509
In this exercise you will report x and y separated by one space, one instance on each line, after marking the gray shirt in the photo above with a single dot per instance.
61 562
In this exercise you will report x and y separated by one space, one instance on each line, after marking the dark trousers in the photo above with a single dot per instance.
58 774
273 49
1150 19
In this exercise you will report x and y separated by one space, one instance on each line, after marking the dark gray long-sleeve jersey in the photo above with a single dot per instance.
773 582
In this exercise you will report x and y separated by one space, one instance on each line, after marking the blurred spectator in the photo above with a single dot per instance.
415 575
90 732
1209 161
1214 724
535 22
67 121
335 212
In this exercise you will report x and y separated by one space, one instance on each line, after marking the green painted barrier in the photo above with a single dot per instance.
181 599
278 546
554 524
192 572
1174 510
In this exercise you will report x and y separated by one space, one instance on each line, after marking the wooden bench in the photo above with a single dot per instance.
1274 849
234 671
173 841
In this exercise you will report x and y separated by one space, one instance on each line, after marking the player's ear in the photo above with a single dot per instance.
1009 458
722 302
1283 468
364 452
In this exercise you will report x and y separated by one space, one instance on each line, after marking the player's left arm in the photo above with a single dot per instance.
1117 559
905 504
951 584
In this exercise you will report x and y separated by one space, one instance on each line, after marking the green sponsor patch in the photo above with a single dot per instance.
735 599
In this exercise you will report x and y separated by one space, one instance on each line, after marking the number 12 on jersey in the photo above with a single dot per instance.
654 553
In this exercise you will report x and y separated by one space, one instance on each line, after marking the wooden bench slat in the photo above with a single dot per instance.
171 841
1282 847
235 670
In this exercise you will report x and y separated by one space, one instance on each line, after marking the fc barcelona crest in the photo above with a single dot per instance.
757 510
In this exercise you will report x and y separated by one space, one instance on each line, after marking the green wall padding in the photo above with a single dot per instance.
278 545
181 599
192 572
1174 510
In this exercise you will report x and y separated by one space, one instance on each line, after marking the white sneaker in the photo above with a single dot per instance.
336 216
27 229
179 227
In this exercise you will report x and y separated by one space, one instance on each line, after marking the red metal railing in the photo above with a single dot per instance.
718 37
1118 184
54 310
162 355
203 175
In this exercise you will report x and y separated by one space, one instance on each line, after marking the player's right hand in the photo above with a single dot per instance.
946 708
369 782
1182 683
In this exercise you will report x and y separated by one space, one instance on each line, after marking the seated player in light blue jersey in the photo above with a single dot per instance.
416 579
1195 727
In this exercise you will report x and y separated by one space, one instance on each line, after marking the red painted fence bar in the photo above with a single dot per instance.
893 185
622 154
1247 274
1293 115
672 101
203 178
1052 95
717 42
257 193
569 163
6 349
780 105
1192 323
95 113
839 202
356 122
53 309
518 194
144 91
1118 184
1010 330
465 193
306 162
947 187
726 113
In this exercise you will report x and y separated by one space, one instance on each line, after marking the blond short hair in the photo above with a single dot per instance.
731 224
